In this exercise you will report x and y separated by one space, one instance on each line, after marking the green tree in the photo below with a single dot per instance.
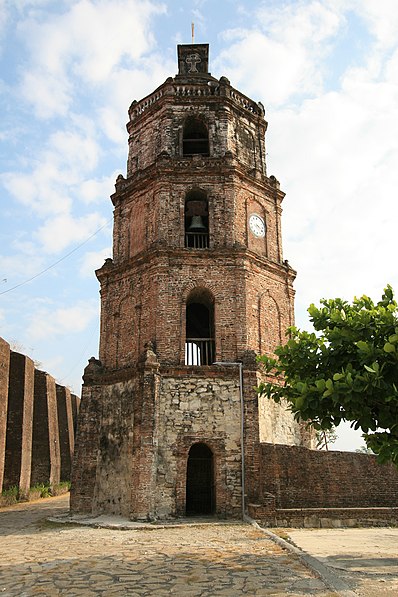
325 437
346 370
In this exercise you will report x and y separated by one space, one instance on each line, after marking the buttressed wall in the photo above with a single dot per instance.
36 433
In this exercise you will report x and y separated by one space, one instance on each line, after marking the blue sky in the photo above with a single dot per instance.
327 73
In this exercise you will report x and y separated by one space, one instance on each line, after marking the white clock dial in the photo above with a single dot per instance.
257 225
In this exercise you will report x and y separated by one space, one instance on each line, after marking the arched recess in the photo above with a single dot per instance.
125 334
196 219
200 492
270 324
195 137
199 328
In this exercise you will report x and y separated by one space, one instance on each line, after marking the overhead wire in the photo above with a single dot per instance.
56 262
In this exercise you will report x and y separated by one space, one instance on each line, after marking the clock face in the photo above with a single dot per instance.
257 225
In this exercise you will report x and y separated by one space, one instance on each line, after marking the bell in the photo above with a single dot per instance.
197 225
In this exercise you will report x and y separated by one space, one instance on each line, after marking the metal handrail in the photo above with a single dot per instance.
199 351
197 240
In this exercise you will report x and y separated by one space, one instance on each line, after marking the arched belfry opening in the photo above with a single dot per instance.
195 139
200 494
196 220
199 342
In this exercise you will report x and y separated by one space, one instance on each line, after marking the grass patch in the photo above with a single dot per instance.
40 490
9 496
60 488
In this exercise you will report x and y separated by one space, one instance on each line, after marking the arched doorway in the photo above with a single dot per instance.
200 481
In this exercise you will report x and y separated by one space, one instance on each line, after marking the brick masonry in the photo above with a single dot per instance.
18 456
46 455
35 443
66 430
4 377
144 407
299 486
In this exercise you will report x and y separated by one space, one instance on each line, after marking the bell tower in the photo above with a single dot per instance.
196 288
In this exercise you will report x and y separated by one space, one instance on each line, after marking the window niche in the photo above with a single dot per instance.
200 343
196 220
195 139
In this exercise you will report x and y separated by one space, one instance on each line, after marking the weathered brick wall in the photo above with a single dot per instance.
134 438
85 459
4 376
277 425
65 430
75 401
17 386
144 294
17 467
149 305
46 454
116 470
144 288
231 127
198 408
303 478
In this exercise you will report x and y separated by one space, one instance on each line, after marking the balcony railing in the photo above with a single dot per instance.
199 351
197 240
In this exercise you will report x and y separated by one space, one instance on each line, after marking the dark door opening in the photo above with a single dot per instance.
200 481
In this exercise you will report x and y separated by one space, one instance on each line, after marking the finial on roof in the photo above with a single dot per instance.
193 32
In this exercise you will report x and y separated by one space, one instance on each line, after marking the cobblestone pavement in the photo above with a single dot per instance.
42 558
366 559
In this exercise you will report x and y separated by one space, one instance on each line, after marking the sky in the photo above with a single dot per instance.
327 74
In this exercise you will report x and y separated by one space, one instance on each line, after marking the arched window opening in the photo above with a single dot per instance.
200 481
199 343
195 137
196 216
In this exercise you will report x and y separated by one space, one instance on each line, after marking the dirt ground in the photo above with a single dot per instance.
367 559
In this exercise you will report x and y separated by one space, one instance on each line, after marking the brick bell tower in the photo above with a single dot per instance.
169 422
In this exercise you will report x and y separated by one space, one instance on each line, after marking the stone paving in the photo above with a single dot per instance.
207 560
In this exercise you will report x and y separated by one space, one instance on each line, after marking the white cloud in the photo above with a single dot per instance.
47 323
50 95
97 190
94 260
337 159
282 55
17 265
3 19
382 20
123 86
59 232
85 43
56 172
